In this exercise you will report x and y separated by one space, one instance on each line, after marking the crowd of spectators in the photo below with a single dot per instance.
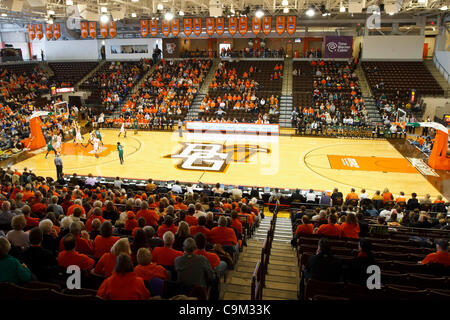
167 94
50 227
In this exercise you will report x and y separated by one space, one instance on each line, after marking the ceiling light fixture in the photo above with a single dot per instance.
50 12
310 12
168 16
285 3
160 6
133 15
104 9
286 10
259 13
181 13
342 9
443 8
69 2
4 15
104 18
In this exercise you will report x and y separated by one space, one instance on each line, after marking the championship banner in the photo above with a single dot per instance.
154 27
197 26
290 24
267 25
165 26
48 31
112 29
187 27
232 25
220 26
256 25
338 47
56 31
31 32
210 26
144 28
243 25
84 29
92 29
39 33
175 27
281 24
103 30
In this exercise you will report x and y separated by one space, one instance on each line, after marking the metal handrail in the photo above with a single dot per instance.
439 66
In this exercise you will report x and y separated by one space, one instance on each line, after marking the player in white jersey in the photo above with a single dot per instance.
91 139
122 130
78 136
58 143
96 144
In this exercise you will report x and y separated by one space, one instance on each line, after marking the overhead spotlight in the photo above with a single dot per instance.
310 12
133 15
286 10
168 16
69 2
50 12
421 1
285 3
50 21
443 8
4 15
324 14
181 13
259 13
391 13
104 9
134 0
232 11
160 6
104 18
342 9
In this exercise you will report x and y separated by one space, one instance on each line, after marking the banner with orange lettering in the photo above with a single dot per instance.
175 27
92 29
31 32
187 27
232 25
39 33
256 25
144 28
197 26
48 31
165 27
281 24
103 30
210 26
220 26
267 25
290 24
56 31
243 25
112 29
154 27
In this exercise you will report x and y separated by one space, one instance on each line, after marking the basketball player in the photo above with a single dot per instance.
78 136
91 139
99 136
136 126
96 142
58 143
122 130
50 148
120 150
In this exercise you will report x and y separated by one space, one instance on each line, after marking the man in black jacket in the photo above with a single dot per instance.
413 203
41 262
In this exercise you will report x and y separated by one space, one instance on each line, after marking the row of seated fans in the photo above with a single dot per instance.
111 83
404 76
256 106
244 91
67 74
168 91
327 92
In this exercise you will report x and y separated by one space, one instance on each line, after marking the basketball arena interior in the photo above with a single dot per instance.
224 150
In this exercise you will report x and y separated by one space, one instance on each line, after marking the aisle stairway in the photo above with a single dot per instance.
286 101
365 88
93 71
373 112
438 76
195 107
283 276
44 65
205 86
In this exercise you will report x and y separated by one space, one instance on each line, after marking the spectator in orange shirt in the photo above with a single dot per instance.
350 228
130 222
190 219
83 243
124 284
387 196
148 270
105 266
216 264
78 203
441 256
96 214
167 226
151 217
31 222
438 199
165 256
351 196
401 197
305 227
104 242
330 229
225 236
200 227
69 256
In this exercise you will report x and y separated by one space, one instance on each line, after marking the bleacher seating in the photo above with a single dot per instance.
68 74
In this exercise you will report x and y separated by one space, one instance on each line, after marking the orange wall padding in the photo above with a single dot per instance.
36 137
438 158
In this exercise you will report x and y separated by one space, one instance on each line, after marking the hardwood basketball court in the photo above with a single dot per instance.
268 161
